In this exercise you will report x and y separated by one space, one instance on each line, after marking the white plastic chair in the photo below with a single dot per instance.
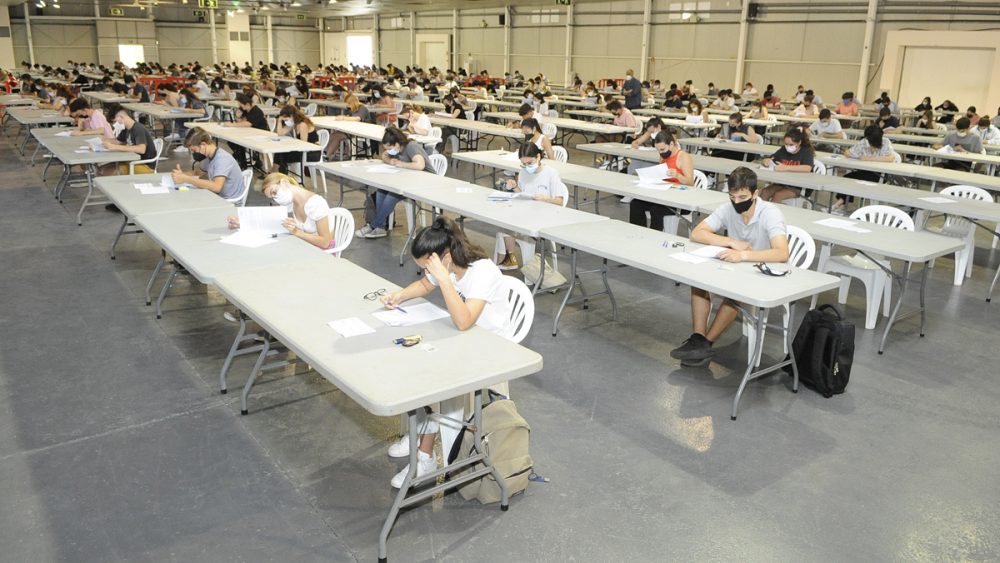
310 110
528 246
158 143
559 154
241 199
296 167
522 309
209 113
439 163
552 113
878 286
272 123
342 227
672 222
960 227
818 168
550 131
801 253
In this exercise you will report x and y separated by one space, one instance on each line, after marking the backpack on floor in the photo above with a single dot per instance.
505 437
824 351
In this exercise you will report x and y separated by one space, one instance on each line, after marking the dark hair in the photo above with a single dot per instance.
112 110
198 136
614 105
799 135
666 136
655 122
529 150
972 109
873 134
737 116
884 111
962 123
824 113
80 103
129 79
243 99
532 124
808 99
984 122
848 95
697 102
295 113
393 136
742 178
524 110
167 86
444 234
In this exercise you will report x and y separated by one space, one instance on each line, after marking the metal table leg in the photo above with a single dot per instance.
153 276
585 297
118 237
163 292
265 348
904 282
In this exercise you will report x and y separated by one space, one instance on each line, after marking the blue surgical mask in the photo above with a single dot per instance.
392 152
531 168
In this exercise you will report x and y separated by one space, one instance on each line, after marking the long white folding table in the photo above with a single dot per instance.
29 118
654 252
360 130
266 143
475 130
106 97
383 378
564 125
122 191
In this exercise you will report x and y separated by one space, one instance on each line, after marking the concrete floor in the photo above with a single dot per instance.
116 446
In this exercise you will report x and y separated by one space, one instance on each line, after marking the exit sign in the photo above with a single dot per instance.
116 11
208 3
300 16
198 13
563 2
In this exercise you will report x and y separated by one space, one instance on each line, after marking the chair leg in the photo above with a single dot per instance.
845 286
886 283
961 257
670 224
873 294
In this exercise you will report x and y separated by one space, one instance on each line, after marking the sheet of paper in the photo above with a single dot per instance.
414 315
652 174
497 195
709 251
81 151
647 148
264 221
842 224
153 190
142 186
351 326
933 199
382 169
511 156
64 134
690 258
946 150
248 240
96 144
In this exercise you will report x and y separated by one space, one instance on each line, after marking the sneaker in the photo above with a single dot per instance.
363 231
180 149
695 348
401 447
378 232
509 263
231 316
425 464
842 210
172 137
606 165
625 200
112 208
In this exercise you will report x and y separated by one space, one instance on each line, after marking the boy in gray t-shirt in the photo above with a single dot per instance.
962 140
222 173
755 232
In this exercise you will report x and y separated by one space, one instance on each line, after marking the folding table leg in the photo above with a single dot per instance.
397 502
254 373
232 353
569 291
152 277
759 323
903 284
118 237
163 292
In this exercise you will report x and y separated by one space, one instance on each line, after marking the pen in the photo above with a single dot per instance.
401 310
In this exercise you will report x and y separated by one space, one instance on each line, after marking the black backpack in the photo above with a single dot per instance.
824 351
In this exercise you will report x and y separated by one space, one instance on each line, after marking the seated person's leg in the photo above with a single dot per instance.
697 349
724 318
385 202
637 212
784 192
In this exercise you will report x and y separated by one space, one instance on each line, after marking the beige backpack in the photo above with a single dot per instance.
505 438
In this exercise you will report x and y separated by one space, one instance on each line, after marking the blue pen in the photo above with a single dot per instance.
401 310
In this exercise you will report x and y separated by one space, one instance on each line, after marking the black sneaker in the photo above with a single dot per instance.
112 208
695 348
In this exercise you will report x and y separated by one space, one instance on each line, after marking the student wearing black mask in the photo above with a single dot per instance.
755 232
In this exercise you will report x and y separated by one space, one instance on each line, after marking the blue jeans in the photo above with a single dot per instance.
385 202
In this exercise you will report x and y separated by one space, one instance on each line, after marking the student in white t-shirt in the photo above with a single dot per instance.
471 285
417 121
542 183
310 218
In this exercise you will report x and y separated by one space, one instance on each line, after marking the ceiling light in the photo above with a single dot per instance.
56 6
229 13
296 4
264 8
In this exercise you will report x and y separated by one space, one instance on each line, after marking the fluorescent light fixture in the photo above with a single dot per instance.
57 6
230 12
296 4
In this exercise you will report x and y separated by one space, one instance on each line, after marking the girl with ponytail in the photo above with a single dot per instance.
471 285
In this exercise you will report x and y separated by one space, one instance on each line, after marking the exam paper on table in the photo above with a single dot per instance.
687 257
497 195
653 174
382 169
149 189
512 156
710 251
414 315
351 326
264 221
64 134
842 224
248 240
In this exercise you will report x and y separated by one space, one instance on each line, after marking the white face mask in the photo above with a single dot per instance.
628 77
283 196
791 149
289 122
962 133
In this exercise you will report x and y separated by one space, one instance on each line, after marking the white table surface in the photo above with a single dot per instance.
477 126
162 112
258 140
65 149
567 124
383 378
34 116
122 192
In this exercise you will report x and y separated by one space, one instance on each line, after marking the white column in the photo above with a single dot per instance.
413 39
211 27
741 48
7 43
377 41
506 38
270 40
455 61
27 28
321 24
866 53
647 15
239 50
569 45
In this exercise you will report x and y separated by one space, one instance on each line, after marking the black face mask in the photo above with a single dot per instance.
742 206
197 156
666 154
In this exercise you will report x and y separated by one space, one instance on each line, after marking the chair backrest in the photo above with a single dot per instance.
700 180
819 167
896 157
342 229
311 109
324 140
440 164
241 199
550 130
760 139
967 192
552 113
436 132
801 248
272 123
559 154
269 103
884 215
522 308
232 95
940 126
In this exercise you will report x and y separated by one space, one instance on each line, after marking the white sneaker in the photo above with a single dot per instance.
401 447
377 232
363 231
180 149
172 137
425 464
625 200
231 316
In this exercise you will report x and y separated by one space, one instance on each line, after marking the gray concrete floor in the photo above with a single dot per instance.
116 446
